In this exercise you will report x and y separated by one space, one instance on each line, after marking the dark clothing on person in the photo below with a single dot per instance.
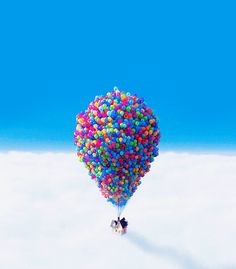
123 223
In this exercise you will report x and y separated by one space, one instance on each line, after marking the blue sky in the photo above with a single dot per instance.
56 56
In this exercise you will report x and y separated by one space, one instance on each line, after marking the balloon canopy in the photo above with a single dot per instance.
117 139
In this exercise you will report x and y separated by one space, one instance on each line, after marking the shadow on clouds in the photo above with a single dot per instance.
181 259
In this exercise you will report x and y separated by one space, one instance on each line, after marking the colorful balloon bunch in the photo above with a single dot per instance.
117 138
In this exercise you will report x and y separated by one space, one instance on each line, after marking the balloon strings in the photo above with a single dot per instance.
118 210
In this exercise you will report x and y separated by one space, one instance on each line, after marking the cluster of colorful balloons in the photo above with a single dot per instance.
117 139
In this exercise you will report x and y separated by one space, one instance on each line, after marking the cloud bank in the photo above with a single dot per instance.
53 216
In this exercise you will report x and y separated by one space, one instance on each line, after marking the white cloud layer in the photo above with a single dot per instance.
53 216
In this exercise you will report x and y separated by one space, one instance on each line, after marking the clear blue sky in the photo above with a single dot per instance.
56 56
